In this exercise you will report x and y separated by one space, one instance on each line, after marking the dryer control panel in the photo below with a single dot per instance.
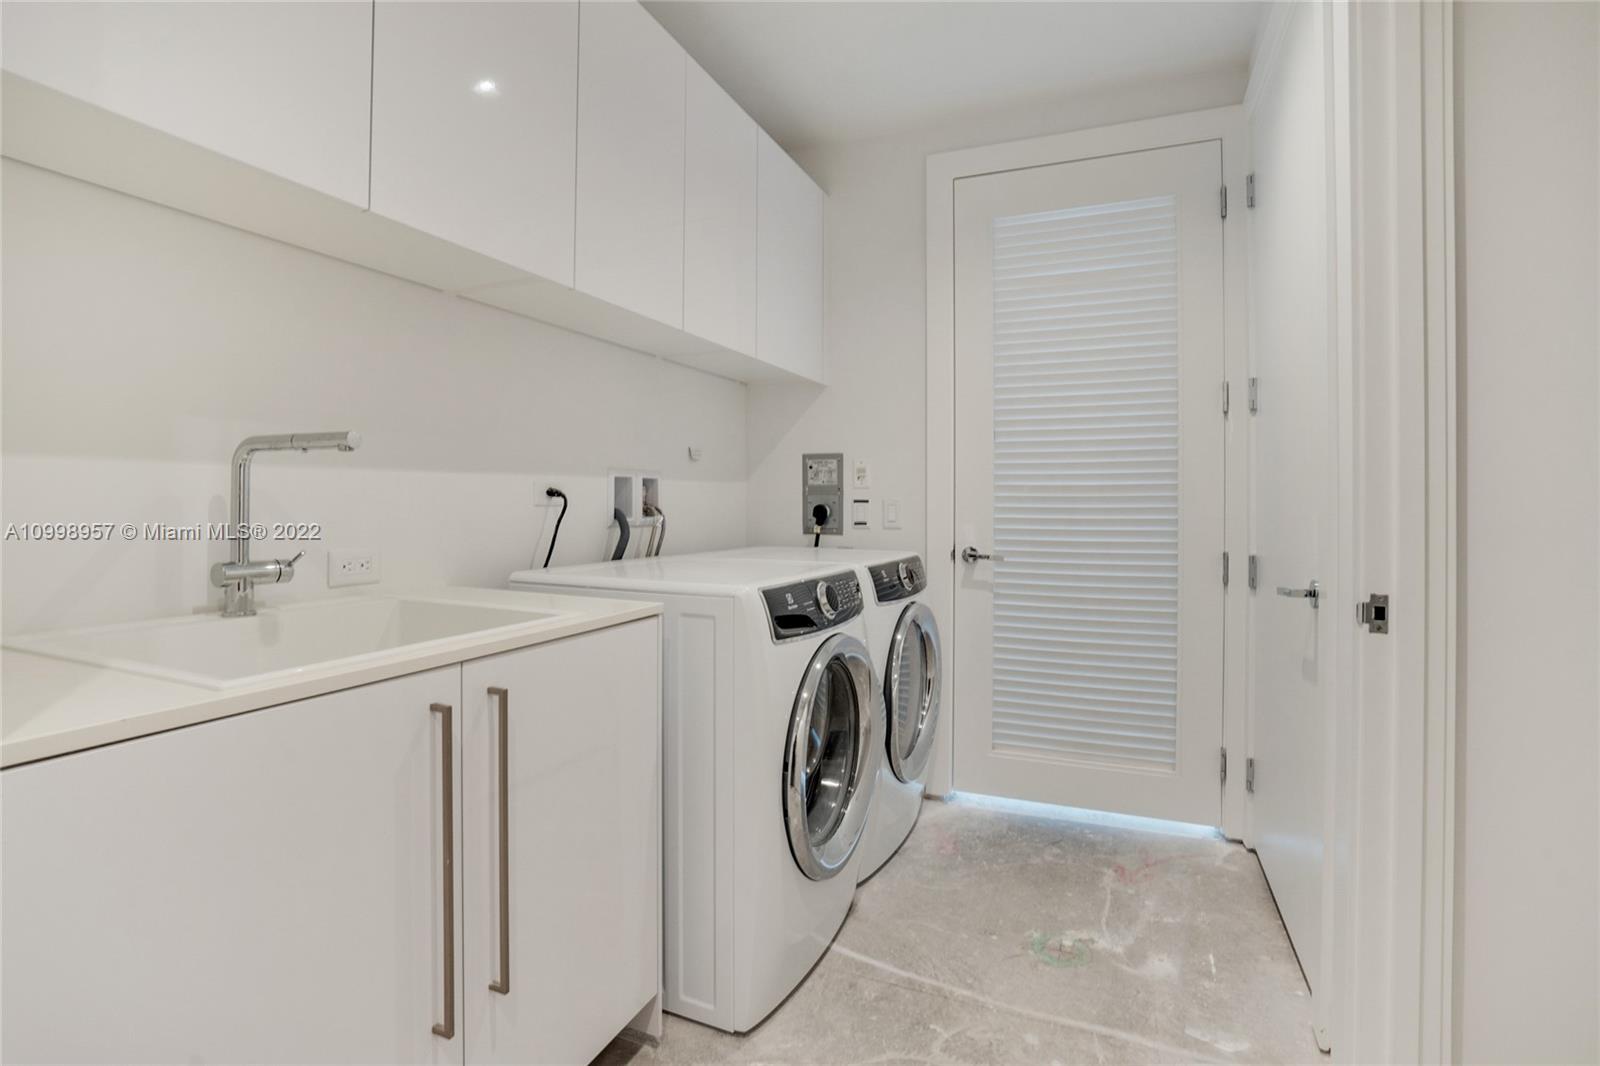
899 580
809 607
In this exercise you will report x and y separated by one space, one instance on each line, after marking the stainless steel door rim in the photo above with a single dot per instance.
911 696
830 759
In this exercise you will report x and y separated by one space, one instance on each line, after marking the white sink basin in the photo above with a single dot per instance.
222 653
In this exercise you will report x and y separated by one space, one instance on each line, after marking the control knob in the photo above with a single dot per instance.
825 600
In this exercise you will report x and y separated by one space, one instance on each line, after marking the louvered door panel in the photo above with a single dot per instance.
1086 483
1089 465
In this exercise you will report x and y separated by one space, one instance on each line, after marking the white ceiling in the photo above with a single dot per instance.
816 71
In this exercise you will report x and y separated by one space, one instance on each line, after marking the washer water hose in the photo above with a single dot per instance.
622 534
658 533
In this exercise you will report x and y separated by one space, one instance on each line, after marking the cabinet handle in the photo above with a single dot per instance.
447 774
502 984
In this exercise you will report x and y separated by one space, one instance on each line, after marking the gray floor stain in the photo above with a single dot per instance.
1004 937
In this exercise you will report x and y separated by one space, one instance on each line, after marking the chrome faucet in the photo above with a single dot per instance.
239 577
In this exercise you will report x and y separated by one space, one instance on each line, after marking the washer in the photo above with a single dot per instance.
904 640
772 734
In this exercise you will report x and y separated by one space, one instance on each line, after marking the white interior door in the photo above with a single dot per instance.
1089 465
1291 491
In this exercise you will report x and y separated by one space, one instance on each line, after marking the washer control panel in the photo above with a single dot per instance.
808 607
899 580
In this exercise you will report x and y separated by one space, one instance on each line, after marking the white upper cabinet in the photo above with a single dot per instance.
789 265
474 126
630 161
719 209
281 86
562 159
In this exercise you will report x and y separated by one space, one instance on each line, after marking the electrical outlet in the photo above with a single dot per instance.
352 568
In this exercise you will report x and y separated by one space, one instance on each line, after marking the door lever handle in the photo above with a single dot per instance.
1312 593
970 554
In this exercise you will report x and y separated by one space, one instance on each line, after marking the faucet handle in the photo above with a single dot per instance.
286 567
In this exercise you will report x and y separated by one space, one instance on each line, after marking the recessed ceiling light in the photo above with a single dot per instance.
486 87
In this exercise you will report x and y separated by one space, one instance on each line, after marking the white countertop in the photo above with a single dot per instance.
51 706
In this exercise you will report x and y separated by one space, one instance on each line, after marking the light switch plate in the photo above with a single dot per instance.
858 514
863 475
891 514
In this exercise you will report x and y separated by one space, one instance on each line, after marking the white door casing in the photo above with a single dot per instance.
1089 456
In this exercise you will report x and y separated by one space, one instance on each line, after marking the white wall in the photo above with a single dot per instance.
141 344
874 406
1528 883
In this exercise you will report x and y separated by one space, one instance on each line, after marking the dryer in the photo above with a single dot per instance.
904 640
767 682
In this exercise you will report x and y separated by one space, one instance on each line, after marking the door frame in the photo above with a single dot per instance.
1227 125
1189 174
1390 880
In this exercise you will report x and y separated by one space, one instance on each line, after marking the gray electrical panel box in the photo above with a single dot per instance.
822 486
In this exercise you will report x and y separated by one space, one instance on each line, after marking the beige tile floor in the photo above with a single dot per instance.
1001 936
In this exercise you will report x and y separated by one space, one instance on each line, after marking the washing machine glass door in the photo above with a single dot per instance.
829 763
911 691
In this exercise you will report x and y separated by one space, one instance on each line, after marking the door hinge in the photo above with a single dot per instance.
1250 774
1373 612
1249 190
1251 396
1224 569
1224 766
1225 391
1250 572
1224 201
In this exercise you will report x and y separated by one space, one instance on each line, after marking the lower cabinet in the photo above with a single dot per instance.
562 844
267 887
284 885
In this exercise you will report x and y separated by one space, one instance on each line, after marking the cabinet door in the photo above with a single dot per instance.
719 228
474 126
281 86
630 160
262 888
789 265
577 895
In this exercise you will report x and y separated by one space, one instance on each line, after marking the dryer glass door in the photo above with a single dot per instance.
911 691
829 764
